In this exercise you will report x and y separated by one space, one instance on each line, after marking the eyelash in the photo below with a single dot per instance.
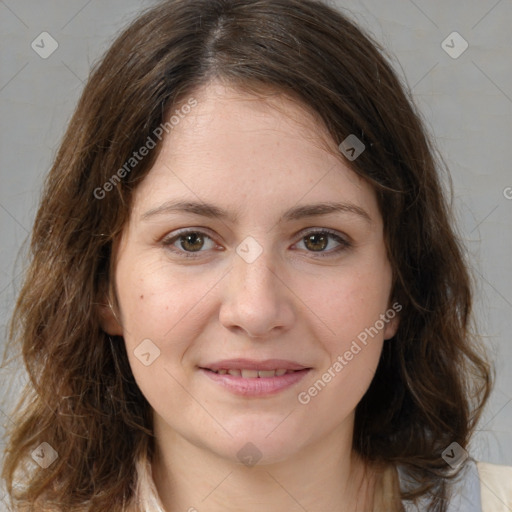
344 244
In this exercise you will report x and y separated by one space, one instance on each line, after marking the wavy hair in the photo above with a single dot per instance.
81 398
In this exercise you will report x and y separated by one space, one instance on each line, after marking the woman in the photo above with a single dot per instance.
245 291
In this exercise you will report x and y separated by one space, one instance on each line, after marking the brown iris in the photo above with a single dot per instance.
193 240
317 246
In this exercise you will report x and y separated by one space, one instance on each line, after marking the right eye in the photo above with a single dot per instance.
190 241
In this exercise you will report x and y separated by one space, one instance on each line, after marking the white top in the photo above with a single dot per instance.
480 487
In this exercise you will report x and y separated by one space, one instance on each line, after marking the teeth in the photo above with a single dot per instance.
266 373
252 374
249 374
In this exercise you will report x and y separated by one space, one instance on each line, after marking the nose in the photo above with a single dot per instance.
257 300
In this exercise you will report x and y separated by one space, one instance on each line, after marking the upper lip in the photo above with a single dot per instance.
252 364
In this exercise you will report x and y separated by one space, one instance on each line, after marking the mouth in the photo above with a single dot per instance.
251 374
260 379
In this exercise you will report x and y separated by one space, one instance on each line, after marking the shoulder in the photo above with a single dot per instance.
495 486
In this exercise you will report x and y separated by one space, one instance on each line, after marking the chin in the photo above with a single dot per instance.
262 444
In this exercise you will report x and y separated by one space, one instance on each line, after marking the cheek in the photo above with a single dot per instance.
333 395
353 338
351 303
153 300
159 314
351 309
167 308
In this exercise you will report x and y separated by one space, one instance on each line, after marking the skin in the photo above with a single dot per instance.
239 153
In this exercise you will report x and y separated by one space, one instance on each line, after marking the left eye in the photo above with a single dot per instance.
319 241
192 242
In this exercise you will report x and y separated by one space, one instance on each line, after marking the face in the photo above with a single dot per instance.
269 280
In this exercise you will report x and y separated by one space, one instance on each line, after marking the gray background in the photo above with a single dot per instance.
466 103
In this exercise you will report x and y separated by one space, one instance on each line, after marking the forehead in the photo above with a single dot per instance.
250 153
237 111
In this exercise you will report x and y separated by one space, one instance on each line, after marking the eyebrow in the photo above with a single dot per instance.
296 213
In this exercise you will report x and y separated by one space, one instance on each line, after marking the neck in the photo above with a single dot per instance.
193 478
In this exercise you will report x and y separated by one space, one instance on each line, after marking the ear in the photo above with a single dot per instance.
108 319
393 320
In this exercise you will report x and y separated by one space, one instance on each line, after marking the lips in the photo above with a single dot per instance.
256 387
252 378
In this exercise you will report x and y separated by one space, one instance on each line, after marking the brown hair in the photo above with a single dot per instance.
82 399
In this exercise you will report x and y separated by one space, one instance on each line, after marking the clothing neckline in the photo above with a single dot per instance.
463 492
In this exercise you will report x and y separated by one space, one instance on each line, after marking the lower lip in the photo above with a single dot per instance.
257 386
